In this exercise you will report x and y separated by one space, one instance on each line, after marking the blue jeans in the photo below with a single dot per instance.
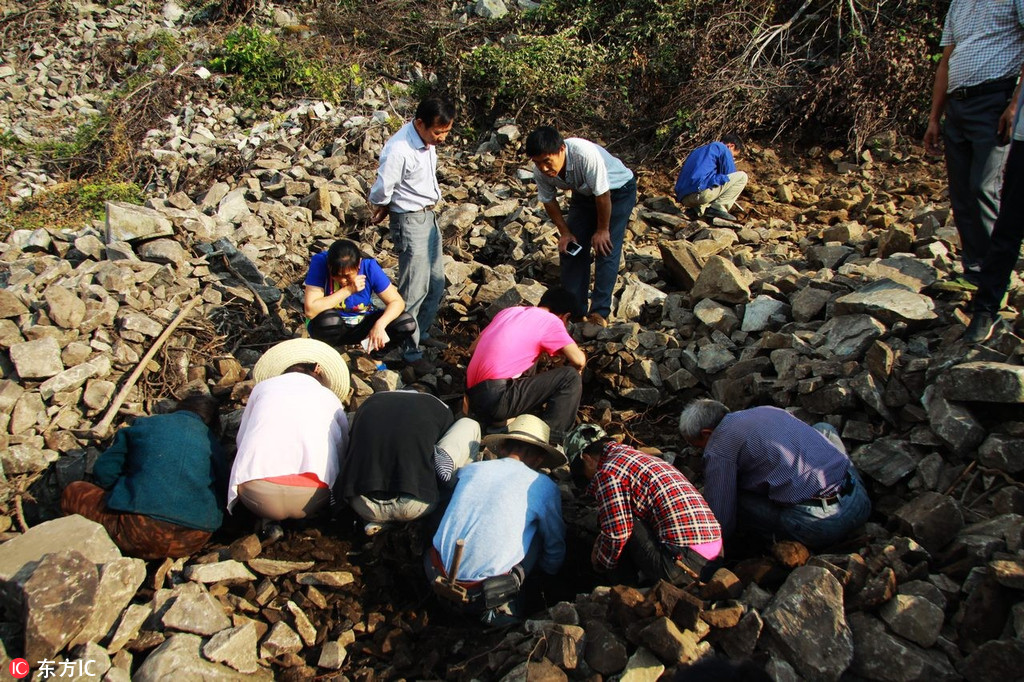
975 158
582 221
417 241
814 523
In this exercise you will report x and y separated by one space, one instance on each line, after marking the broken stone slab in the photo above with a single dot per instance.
764 312
10 305
74 532
128 627
930 518
130 223
879 655
807 624
682 262
993 660
325 578
180 658
887 460
219 571
643 666
1002 452
807 303
195 610
847 336
302 625
1008 528
914 618
669 643
163 251
721 281
240 264
66 310
72 378
332 655
55 598
232 207
605 651
565 645
119 581
992 382
280 640
26 458
37 359
635 295
952 422
888 301
236 647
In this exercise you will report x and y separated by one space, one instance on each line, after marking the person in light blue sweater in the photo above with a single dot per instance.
509 518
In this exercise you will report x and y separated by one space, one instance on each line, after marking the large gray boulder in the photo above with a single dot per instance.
74 532
993 382
807 626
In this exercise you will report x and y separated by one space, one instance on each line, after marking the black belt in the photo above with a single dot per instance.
985 88
846 489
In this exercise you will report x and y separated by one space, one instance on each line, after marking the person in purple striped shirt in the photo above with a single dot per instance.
767 472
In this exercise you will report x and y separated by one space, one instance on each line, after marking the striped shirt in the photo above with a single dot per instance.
629 483
988 36
770 452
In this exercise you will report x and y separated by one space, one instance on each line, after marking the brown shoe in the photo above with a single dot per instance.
596 318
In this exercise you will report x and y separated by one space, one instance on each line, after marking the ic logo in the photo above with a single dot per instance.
19 668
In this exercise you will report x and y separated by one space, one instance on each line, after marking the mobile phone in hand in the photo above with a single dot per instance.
573 249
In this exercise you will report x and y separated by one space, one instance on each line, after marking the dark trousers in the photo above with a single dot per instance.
136 535
975 157
558 390
582 221
330 327
658 561
1006 237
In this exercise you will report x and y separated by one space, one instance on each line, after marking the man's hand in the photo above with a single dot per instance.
377 338
377 213
932 137
602 242
1006 122
358 284
563 241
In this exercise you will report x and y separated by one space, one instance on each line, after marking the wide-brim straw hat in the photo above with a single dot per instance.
305 351
527 428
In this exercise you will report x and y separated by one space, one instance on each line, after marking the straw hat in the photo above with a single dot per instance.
302 351
527 428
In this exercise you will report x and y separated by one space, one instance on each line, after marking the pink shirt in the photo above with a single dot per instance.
513 341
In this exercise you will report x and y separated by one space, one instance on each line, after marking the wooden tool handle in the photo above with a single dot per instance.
460 545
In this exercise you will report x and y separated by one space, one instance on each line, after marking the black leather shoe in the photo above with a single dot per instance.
981 327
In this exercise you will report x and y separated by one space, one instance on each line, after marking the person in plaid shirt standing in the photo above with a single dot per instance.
647 510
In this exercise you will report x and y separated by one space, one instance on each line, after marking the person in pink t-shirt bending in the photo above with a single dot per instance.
502 379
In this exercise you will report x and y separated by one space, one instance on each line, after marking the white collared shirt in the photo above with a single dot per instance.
407 175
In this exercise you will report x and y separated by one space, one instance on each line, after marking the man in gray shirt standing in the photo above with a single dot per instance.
406 189
603 196
983 49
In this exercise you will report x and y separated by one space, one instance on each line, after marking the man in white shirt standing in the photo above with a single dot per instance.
406 189
603 197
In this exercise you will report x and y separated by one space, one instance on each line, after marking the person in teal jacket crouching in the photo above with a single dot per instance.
161 485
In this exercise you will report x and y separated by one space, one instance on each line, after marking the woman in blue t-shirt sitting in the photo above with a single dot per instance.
339 300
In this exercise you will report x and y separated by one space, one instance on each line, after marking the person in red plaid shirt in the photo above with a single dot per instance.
647 510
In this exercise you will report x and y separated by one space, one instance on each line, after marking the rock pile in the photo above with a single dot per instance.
822 302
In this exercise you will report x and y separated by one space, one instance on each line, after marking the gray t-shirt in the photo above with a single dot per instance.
589 170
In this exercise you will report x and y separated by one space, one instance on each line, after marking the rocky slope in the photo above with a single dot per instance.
823 301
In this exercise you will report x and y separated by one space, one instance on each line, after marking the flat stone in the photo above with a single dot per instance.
164 251
275 567
879 655
10 305
847 336
808 625
232 208
131 223
886 460
218 572
302 625
56 597
930 518
236 647
195 610
180 658
669 643
605 651
888 301
764 312
332 655
721 281
682 262
119 580
325 578
66 310
808 303
952 422
280 640
643 666
128 627
74 532
38 359
994 660
993 382
914 618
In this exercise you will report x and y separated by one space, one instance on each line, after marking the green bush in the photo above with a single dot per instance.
524 70
268 68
